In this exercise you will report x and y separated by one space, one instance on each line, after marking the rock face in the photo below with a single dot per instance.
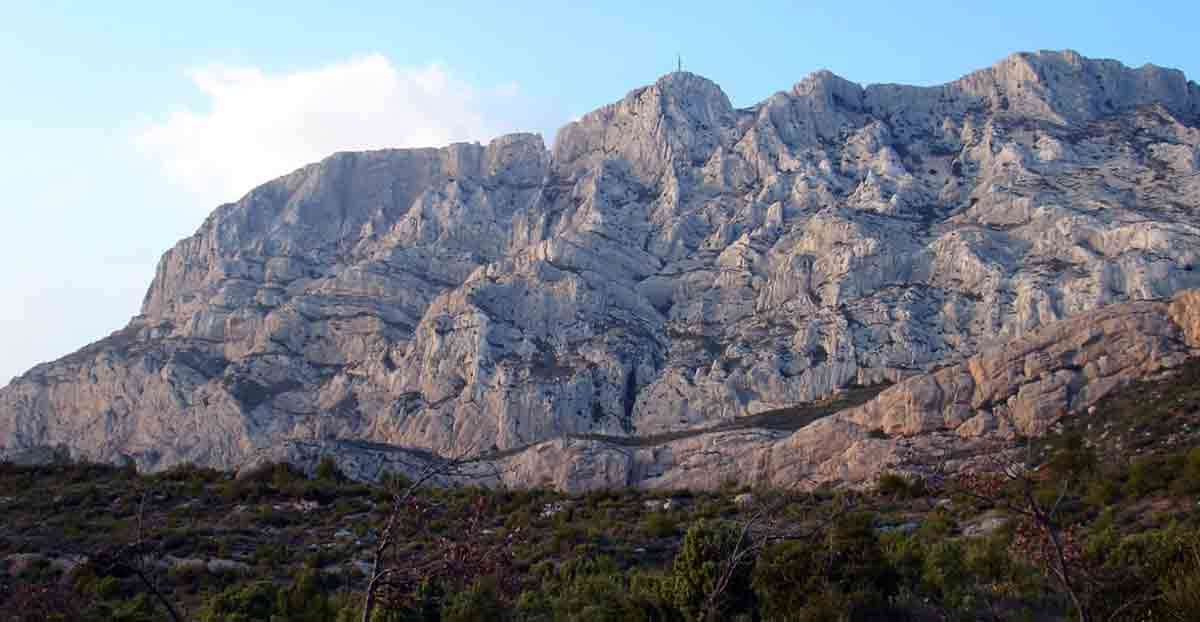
673 263
949 419
952 417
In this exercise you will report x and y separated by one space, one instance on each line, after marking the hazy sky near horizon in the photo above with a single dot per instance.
123 124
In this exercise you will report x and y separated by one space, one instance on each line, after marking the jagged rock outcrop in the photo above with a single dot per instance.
1185 311
950 419
671 264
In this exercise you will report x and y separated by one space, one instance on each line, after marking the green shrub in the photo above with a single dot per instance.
1073 458
785 577
285 476
987 559
270 555
900 486
659 525
305 599
591 588
1181 587
1188 481
107 588
139 608
715 508
843 576
565 537
480 603
1102 492
1146 566
943 573
708 547
856 559
1147 475
241 603
391 481
327 470
906 556
189 473
937 525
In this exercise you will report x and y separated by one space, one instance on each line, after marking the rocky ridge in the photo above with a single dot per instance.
672 263
957 418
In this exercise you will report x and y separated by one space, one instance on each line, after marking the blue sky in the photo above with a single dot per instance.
124 123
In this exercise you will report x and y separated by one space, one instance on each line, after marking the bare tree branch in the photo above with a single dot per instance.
132 558
464 465
764 527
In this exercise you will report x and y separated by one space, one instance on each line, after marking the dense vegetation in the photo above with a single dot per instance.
1118 490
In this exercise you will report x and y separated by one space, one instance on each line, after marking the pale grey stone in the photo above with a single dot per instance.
672 264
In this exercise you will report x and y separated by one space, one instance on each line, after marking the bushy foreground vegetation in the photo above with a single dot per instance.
1081 534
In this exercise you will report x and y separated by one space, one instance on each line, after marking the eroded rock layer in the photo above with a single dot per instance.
671 264
957 418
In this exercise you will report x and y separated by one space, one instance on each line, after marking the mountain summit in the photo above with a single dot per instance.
673 265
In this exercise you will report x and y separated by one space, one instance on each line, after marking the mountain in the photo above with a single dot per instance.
963 417
673 265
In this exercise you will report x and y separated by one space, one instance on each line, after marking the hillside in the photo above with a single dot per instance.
277 543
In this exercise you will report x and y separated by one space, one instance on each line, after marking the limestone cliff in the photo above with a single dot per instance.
671 264
946 421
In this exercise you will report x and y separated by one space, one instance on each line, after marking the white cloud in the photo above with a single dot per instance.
260 125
